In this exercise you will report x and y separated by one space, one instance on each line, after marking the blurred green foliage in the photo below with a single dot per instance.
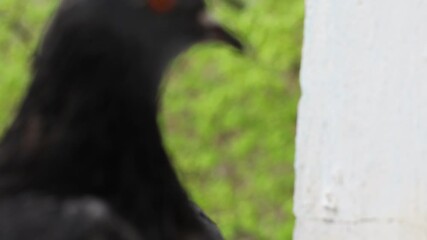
228 119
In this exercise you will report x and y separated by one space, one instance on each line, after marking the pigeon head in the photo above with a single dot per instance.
175 25
125 38
164 27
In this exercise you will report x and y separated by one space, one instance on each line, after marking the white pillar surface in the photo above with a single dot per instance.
361 159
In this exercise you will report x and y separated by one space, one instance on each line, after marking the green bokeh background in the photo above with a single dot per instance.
228 119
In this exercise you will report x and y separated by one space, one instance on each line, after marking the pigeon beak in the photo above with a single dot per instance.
215 32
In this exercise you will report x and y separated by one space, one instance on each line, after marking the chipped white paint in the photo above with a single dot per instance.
362 129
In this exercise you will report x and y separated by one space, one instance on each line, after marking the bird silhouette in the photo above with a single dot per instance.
84 157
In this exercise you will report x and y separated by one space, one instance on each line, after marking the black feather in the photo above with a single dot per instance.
86 136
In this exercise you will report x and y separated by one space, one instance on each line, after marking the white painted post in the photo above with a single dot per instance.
362 130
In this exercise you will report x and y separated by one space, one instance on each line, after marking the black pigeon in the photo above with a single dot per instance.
84 158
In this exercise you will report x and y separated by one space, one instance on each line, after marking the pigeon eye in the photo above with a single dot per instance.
162 6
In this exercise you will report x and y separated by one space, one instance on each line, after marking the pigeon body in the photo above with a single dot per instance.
84 158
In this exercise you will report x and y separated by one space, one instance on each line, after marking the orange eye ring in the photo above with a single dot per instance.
162 6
